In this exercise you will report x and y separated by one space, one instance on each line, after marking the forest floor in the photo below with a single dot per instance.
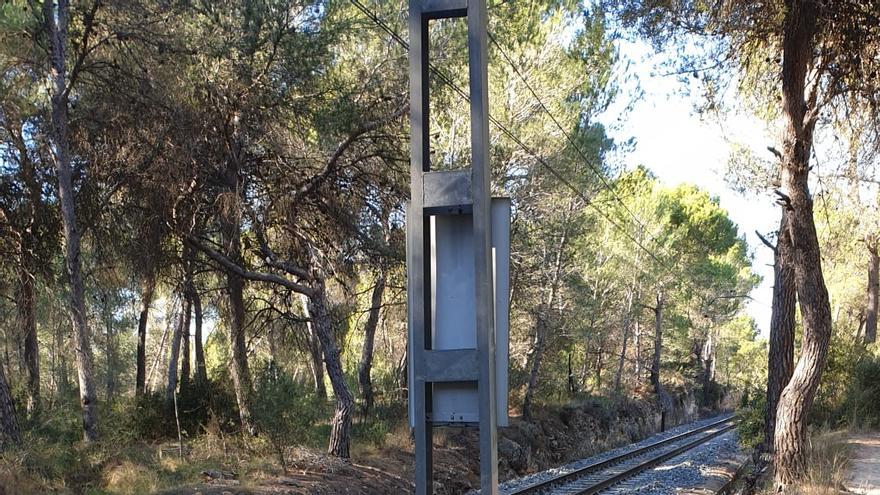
864 473
555 437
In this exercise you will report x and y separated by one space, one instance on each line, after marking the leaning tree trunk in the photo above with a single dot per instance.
340 427
873 289
147 291
56 18
780 358
9 432
663 398
798 395
366 363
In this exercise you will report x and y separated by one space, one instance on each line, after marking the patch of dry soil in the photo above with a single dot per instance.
864 476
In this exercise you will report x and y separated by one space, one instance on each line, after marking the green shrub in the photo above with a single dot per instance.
750 417
863 395
283 411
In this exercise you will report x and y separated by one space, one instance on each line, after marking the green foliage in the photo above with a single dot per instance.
284 410
861 409
750 419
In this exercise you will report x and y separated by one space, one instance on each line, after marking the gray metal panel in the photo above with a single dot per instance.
501 262
442 9
453 313
453 365
448 192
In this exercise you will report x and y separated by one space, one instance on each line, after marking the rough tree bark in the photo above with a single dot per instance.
663 398
780 358
366 362
56 17
27 320
340 427
148 289
185 336
185 349
800 115
9 431
230 232
179 329
27 271
201 370
873 290
314 348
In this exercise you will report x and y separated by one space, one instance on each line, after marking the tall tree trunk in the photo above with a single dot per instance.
540 342
340 427
627 318
27 266
873 289
637 344
159 354
706 356
314 345
110 352
188 290
62 383
366 362
171 384
797 397
230 232
201 369
780 358
663 398
185 350
147 290
27 320
9 432
537 355
56 16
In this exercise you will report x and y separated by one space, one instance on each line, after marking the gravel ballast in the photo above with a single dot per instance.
702 470
512 486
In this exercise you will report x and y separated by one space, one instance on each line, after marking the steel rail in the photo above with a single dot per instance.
597 467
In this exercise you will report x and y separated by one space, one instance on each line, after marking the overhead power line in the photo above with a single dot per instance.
516 140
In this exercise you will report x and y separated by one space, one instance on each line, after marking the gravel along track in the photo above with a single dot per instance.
514 486
691 472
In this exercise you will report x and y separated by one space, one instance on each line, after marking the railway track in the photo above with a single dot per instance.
596 477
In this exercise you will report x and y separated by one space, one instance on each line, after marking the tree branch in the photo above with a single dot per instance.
235 268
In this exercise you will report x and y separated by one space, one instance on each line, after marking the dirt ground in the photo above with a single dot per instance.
864 476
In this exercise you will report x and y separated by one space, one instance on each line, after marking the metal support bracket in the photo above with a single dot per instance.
436 365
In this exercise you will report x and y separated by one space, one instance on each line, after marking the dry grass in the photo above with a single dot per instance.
828 461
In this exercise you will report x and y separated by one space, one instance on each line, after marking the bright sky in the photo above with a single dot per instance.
680 147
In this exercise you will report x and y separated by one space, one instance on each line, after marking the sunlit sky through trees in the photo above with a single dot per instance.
680 146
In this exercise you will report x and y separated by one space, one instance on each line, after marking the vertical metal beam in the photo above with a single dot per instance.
483 275
418 267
